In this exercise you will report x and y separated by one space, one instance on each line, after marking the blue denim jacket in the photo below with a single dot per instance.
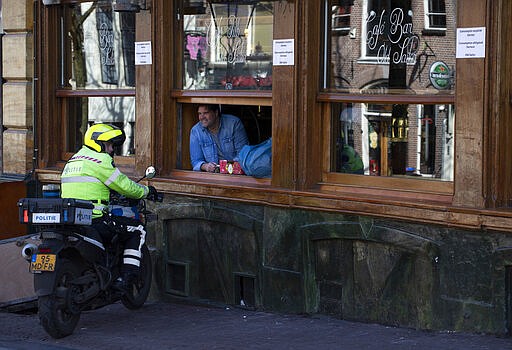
203 149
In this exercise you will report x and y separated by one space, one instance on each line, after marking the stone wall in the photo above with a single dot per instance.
351 267
17 72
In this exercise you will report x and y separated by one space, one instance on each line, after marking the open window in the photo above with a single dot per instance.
226 50
256 120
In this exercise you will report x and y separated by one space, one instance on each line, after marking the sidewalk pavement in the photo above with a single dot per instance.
160 325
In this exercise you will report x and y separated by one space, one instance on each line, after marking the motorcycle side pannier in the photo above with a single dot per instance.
52 211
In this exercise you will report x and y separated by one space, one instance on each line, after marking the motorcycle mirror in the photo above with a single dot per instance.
150 172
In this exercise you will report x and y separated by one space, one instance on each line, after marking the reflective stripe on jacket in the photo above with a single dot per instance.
90 175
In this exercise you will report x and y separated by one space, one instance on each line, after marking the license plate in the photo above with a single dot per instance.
43 262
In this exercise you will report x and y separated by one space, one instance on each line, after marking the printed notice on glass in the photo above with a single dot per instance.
470 42
283 52
143 53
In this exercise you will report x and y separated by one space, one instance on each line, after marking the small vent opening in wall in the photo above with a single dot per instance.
178 278
244 290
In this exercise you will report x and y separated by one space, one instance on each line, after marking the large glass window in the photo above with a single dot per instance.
386 43
97 69
256 121
81 112
227 45
98 46
391 88
393 140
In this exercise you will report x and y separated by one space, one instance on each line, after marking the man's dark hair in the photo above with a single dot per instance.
211 107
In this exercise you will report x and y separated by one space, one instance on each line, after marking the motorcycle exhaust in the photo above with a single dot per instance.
28 250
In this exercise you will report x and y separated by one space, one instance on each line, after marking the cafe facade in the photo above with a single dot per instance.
390 192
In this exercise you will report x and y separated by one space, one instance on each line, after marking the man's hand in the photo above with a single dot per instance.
153 193
209 167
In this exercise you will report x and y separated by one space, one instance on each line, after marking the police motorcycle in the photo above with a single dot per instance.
74 272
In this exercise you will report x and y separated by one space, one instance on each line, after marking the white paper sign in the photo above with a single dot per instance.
143 53
470 42
283 52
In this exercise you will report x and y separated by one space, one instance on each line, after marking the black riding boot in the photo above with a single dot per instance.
125 282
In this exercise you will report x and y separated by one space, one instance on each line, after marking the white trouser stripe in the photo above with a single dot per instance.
130 261
132 252
93 241
139 228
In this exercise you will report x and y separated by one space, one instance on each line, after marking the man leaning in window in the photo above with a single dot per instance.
216 136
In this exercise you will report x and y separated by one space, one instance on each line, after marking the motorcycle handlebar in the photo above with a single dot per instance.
118 199
158 197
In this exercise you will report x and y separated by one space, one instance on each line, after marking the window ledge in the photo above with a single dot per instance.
412 207
433 32
421 194
217 178
407 187
415 208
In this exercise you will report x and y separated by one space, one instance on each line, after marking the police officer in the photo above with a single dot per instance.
90 174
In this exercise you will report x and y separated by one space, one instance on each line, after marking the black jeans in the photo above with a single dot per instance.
131 235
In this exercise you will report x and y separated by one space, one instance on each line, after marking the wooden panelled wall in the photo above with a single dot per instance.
482 173
470 115
498 126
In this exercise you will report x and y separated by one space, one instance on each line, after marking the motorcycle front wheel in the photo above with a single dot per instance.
137 295
57 313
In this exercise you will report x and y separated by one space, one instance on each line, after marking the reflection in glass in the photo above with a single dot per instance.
436 14
393 140
227 45
85 111
98 46
409 44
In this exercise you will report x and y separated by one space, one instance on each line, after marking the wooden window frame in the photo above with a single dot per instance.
224 98
427 189
51 135
428 21
435 190
181 96
65 94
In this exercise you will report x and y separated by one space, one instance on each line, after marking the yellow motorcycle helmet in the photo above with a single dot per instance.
97 134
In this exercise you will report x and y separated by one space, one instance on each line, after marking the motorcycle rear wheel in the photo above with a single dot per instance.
55 314
138 294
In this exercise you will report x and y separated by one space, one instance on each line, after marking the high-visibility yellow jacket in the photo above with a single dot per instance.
90 175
